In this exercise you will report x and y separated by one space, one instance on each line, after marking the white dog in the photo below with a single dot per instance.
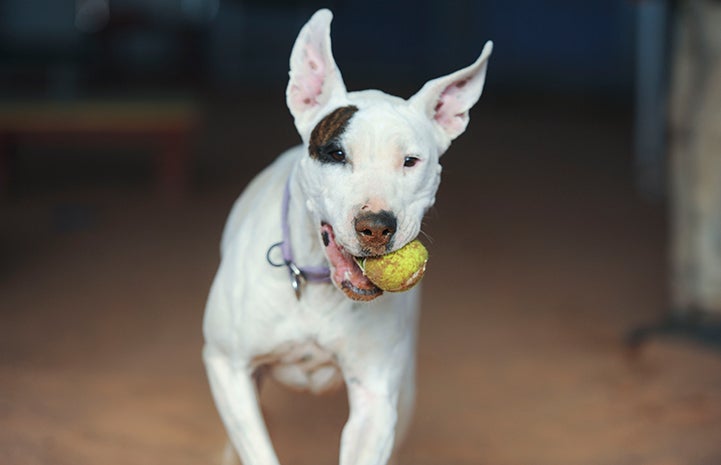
359 185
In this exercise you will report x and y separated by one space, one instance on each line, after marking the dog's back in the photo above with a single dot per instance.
262 195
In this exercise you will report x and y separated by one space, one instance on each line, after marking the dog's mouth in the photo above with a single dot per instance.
345 272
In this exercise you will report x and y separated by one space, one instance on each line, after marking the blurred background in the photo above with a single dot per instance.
572 298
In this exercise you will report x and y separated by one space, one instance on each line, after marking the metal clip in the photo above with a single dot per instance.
297 279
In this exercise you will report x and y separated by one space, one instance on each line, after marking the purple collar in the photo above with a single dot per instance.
298 276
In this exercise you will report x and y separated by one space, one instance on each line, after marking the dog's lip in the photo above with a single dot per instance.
360 254
345 272
357 293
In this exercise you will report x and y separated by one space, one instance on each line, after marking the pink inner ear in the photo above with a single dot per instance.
449 111
308 84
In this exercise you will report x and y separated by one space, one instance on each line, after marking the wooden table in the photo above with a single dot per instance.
167 126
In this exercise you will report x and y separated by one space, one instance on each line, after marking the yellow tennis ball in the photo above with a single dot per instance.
399 270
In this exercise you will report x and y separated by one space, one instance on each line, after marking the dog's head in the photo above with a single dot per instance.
372 167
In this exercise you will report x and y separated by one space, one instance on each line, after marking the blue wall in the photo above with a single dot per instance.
553 46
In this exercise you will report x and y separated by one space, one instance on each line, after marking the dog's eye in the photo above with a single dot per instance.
337 155
333 154
410 161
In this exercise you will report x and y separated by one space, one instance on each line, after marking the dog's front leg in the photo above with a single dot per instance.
236 397
369 434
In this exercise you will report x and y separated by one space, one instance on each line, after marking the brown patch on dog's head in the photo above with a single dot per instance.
326 135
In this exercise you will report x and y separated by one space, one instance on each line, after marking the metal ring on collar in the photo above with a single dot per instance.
267 255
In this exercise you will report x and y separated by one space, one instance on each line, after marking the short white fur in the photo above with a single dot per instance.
253 319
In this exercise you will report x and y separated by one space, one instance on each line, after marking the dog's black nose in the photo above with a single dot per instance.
375 230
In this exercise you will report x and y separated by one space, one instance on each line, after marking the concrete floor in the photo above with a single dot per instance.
542 258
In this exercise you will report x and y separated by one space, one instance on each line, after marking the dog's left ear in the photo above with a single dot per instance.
447 100
315 79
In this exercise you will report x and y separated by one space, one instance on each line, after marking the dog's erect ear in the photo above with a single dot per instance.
448 99
314 77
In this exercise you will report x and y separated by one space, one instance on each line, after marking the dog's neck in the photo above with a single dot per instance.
304 231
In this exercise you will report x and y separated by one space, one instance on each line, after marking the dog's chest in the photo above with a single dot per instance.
303 366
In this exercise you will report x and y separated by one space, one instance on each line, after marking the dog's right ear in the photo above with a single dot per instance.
314 77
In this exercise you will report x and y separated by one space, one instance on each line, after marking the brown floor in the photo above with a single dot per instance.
542 257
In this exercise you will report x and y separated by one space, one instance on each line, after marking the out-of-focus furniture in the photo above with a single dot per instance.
694 176
166 126
695 168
